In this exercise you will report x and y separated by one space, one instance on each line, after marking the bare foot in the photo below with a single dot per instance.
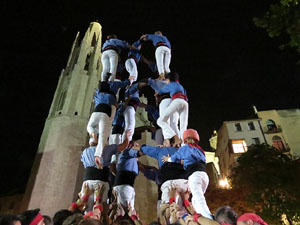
95 137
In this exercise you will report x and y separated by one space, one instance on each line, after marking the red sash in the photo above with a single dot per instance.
179 95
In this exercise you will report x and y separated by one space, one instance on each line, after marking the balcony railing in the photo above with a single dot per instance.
272 130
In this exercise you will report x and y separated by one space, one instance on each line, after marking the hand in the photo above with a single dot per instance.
185 195
120 211
182 162
98 162
136 146
172 192
156 94
143 37
128 134
165 158
86 191
131 78
113 168
131 211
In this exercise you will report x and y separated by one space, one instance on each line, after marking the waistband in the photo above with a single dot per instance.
161 44
110 47
199 166
92 173
133 57
104 108
179 95
125 177
172 171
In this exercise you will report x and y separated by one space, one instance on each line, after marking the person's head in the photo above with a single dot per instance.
90 221
133 144
172 76
103 87
190 136
250 219
92 142
225 215
158 33
93 215
110 36
74 219
125 220
60 216
47 220
32 217
154 223
10 220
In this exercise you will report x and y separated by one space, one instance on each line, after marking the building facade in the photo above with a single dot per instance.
56 175
282 130
234 137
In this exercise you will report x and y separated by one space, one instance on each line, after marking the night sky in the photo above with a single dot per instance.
226 63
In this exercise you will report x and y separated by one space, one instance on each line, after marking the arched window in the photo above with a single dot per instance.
277 143
271 125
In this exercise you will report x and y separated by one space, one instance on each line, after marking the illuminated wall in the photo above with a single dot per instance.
287 128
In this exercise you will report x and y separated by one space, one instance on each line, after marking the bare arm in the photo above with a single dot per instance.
123 146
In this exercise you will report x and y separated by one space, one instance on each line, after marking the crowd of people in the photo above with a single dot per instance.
111 161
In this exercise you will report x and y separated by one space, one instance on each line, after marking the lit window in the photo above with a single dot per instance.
251 126
255 141
239 146
277 143
238 127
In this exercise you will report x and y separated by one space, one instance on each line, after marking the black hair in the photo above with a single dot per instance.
154 223
8 219
27 216
47 220
104 87
111 36
226 214
60 216
172 76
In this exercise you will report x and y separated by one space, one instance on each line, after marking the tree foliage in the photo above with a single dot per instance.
282 19
272 180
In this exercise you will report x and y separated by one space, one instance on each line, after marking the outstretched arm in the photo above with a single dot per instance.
123 146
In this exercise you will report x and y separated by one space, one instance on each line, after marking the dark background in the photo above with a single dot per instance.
225 62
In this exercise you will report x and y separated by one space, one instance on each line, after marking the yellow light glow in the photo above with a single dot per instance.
224 183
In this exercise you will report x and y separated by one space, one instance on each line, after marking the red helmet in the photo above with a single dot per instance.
191 133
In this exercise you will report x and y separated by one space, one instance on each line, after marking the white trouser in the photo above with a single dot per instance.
104 125
181 185
125 195
129 118
163 59
92 198
198 183
173 120
177 105
131 68
115 139
109 61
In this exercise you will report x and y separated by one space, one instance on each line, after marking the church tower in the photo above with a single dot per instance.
56 175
